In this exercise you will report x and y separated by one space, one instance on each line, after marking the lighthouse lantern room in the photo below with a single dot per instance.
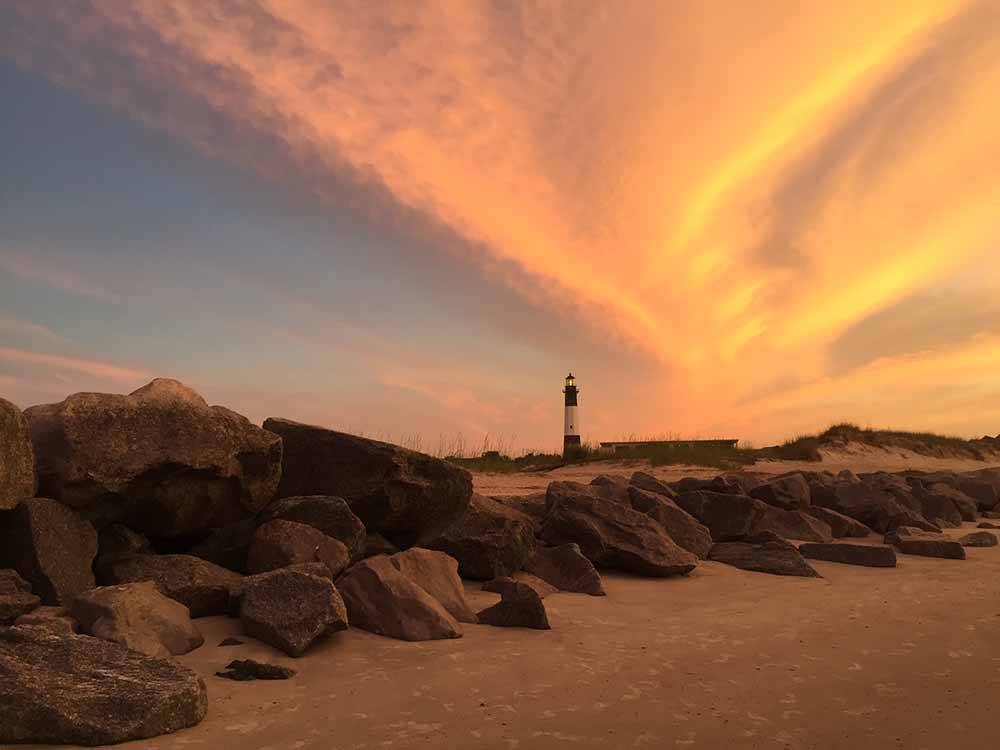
571 433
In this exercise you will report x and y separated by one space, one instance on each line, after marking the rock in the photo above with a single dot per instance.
51 546
721 484
788 493
931 548
137 615
437 574
508 583
967 508
160 459
16 599
202 587
406 496
331 515
840 525
987 525
875 508
11 581
489 540
376 544
870 556
848 476
243 670
17 458
764 553
910 532
381 600
55 620
792 524
982 492
520 606
231 642
533 506
611 534
85 691
991 514
937 505
683 528
289 609
117 541
566 568
727 516
978 539
650 483
228 546
278 544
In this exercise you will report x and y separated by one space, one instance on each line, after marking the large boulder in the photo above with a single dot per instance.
792 524
289 609
55 620
876 508
520 606
437 574
868 555
84 691
227 546
532 506
566 568
648 482
17 458
978 539
382 600
51 546
966 506
764 553
727 516
116 541
983 492
508 584
489 540
840 525
681 526
938 505
945 548
278 544
201 586
611 534
137 615
407 496
790 492
331 515
16 599
160 459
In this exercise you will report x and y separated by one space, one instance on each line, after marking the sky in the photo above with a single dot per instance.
411 219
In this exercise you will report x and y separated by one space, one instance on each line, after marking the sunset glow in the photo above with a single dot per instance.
745 220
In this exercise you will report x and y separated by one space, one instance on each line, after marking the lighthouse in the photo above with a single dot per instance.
571 433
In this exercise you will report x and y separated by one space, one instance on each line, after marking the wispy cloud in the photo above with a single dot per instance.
101 370
48 271
17 327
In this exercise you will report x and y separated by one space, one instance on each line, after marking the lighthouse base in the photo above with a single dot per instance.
571 446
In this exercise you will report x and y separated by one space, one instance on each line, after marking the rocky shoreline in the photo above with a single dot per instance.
124 519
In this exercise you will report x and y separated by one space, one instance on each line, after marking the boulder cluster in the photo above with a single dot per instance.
123 519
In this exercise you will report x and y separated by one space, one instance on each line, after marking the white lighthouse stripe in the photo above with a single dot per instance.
572 425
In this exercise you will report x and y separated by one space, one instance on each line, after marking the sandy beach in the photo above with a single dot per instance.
865 658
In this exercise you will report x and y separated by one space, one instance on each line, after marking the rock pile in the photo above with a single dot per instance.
123 519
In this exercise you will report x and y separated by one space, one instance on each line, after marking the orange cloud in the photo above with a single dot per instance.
730 205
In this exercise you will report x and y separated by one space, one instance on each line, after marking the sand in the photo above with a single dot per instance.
861 658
